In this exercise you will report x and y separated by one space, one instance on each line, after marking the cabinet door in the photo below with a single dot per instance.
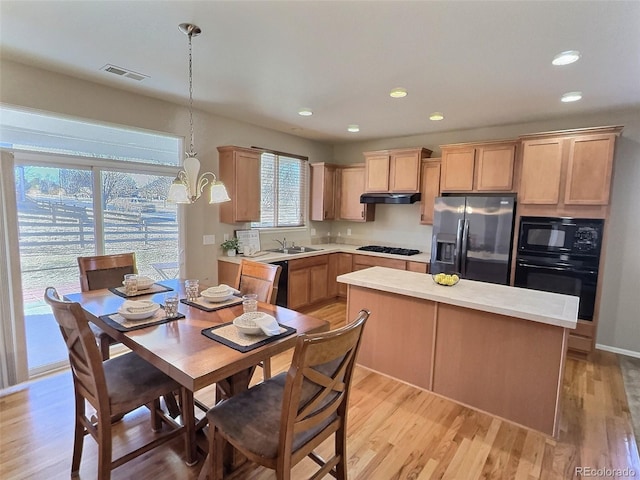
345 265
457 170
323 192
298 288
430 189
247 179
318 275
541 170
404 172
351 187
494 167
376 173
332 273
589 170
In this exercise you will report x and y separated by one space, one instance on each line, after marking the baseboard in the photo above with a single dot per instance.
620 351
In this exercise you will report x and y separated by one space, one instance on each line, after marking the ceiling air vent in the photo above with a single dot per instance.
123 72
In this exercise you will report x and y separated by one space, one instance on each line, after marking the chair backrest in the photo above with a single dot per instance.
259 278
317 386
84 356
105 271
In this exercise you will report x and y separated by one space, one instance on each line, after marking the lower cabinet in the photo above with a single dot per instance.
308 281
361 262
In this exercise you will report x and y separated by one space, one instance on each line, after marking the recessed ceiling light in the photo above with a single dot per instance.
353 128
565 58
436 116
571 97
398 92
305 112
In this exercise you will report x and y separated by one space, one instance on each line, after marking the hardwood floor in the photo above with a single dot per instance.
395 432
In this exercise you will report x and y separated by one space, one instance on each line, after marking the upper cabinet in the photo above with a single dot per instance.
430 189
239 170
324 191
352 181
394 171
570 168
482 167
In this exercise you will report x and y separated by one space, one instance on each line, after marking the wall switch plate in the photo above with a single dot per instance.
313 231
348 231
208 239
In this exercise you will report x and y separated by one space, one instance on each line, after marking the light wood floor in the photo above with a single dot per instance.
395 432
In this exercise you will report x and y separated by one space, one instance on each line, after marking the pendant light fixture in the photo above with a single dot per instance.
188 185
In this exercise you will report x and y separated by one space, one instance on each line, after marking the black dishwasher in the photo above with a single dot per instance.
283 283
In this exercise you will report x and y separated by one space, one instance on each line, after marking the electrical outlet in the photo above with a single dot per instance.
348 231
208 239
313 232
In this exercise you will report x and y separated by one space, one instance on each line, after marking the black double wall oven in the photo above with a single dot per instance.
561 255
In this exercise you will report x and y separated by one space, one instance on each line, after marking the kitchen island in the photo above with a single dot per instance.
495 348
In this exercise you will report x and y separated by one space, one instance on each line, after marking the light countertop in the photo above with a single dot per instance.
423 256
535 305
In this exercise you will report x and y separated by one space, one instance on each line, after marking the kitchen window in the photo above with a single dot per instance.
283 191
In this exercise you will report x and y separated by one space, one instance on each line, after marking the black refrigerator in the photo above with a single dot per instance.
473 236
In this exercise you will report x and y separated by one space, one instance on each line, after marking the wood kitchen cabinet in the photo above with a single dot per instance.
430 189
352 180
239 170
324 191
345 265
308 281
361 262
566 169
394 171
482 167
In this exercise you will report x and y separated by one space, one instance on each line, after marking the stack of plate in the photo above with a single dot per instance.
138 310
217 294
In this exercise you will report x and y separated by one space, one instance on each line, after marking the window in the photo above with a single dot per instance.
283 190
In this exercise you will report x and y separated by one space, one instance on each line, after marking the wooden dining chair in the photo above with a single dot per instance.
112 387
105 271
282 420
261 279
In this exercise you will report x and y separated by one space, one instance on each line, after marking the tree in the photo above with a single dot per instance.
117 185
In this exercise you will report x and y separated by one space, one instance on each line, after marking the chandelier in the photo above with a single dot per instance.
188 185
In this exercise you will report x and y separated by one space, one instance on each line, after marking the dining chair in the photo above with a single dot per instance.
104 271
262 280
112 387
282 420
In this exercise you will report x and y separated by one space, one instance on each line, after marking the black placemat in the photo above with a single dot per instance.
147 322
155 288
214 306
210 332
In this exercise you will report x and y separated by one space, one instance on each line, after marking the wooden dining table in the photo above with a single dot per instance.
179 349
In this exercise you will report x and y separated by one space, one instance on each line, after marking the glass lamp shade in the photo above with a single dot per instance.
219 193
178 192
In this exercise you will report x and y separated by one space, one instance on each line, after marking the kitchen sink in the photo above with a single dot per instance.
293 250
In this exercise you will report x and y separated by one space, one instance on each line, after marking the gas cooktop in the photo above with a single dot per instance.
392 250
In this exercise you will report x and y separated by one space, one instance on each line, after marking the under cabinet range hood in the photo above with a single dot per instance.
391 198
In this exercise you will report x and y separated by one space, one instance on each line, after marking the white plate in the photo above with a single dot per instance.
245 322
144 282
139 315
216 298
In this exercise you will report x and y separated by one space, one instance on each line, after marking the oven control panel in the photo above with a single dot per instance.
586 239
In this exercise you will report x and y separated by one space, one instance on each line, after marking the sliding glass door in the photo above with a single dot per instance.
66 211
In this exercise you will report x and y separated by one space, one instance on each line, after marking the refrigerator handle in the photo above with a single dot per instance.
456 261
463 253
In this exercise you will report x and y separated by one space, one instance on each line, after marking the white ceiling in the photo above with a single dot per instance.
480 63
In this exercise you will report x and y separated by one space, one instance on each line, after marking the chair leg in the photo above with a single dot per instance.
78 437
266 368
216 449
341 450
104 449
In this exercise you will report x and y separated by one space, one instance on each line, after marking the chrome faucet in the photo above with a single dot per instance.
283 243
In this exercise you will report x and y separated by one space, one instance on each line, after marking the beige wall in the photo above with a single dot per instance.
619 325
30 87
395 224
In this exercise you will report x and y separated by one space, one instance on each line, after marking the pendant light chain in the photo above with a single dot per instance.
191 152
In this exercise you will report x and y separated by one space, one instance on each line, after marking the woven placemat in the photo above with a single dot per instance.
155 288
121 324
202 304
229 335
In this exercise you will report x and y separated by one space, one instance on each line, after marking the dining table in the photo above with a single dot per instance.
180 349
